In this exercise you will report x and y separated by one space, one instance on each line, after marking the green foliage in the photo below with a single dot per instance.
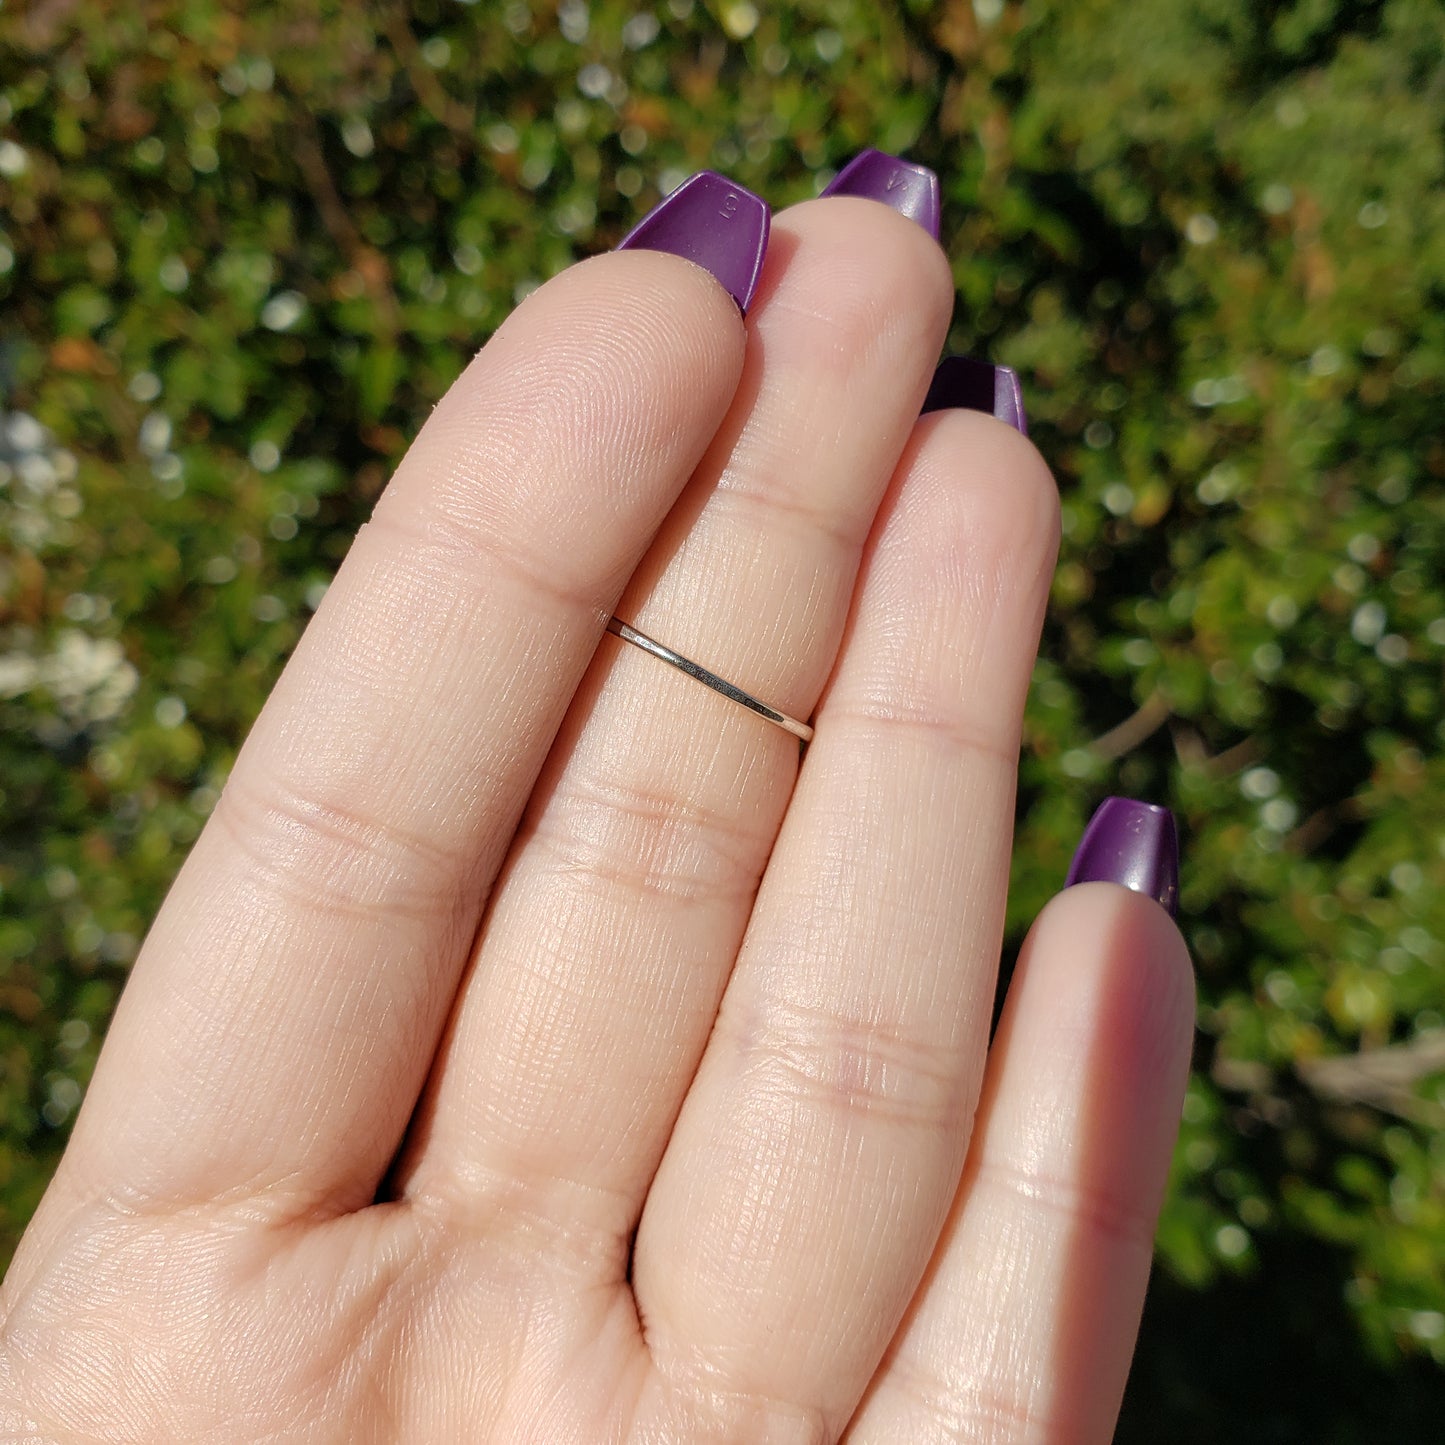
241 253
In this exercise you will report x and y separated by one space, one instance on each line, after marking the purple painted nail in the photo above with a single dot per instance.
910 189
976 386
711 221
1136 844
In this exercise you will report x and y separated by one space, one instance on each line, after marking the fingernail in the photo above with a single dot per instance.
710 220
1135 844
910 189
976 386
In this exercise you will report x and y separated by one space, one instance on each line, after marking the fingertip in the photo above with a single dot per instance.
652 297
589 406
979 499
680 290
876 253
1113 961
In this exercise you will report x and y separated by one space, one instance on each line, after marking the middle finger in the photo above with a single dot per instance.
621 908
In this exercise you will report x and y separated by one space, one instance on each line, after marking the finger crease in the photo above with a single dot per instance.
311 852
860 1069
1095 1210
484 557
652 845
950 734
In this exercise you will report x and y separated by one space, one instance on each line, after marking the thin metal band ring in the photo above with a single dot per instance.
619 628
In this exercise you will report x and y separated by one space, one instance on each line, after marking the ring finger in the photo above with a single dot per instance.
811 1168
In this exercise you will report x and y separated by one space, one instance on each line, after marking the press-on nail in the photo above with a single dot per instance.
977 386
1135 844
910 189
710 220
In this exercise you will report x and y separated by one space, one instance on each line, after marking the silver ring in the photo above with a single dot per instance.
618 628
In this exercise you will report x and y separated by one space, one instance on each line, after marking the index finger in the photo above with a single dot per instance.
285 1008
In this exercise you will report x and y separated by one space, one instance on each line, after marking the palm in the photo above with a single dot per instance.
529 1051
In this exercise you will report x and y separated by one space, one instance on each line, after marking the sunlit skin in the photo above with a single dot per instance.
529 1050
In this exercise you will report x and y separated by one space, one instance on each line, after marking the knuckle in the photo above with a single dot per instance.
798 511
310 850
908 718
460 544
652 842
857 1067
1104 1214
943 1402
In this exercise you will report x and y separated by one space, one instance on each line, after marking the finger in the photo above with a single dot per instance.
626 895
1025 1325
284 1011
817 1151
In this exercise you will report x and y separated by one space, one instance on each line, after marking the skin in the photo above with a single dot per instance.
529 1050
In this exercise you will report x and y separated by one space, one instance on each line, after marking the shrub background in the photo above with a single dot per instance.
244 248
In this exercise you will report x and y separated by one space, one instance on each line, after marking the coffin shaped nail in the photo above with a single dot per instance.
714 222
910 189
975 385
1134 844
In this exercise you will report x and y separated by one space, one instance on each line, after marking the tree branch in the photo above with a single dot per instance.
1147 719
1385 1079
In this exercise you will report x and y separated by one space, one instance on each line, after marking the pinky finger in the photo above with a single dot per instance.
1024 1326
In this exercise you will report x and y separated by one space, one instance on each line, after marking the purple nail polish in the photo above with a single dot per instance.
910 189
974 385
1135 844
710 220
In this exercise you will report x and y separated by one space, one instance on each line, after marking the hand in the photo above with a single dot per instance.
529 1050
